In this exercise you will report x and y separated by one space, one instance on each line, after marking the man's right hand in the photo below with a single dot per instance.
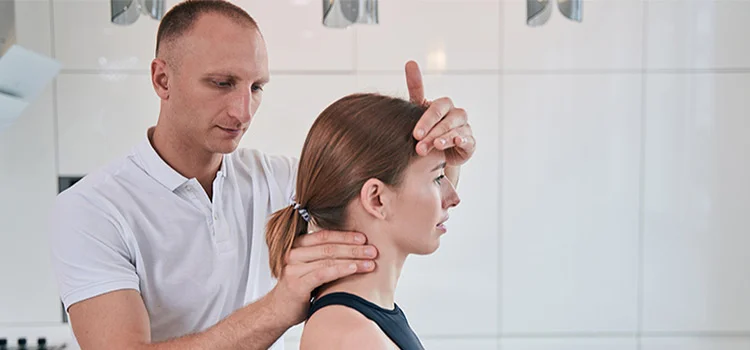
316 259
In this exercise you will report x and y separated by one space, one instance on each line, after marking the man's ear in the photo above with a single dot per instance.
372 198
160 78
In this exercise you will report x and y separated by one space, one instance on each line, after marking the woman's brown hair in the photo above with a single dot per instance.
357 138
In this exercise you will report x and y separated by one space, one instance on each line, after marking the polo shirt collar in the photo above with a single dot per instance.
158 169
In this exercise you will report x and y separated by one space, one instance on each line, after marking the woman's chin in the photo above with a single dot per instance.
429 247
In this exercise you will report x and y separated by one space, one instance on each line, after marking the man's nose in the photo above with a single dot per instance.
242 105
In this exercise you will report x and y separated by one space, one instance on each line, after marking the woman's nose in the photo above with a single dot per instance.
450 196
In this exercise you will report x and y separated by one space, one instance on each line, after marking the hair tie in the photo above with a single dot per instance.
302 211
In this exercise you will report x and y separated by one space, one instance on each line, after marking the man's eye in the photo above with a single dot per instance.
223 84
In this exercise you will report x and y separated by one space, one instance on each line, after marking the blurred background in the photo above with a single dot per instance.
607 206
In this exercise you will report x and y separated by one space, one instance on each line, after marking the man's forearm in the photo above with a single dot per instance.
255 326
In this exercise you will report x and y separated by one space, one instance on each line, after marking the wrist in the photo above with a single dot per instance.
279 306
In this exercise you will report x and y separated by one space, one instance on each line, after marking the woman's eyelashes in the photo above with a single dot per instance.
439 179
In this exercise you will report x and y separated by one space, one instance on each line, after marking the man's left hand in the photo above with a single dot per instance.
443 126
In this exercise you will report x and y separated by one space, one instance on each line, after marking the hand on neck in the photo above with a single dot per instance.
378 286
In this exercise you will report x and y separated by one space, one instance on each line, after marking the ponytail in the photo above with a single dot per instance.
283 227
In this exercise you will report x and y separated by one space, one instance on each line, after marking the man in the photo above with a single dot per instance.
164 249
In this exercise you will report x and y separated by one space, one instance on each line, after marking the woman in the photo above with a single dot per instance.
359 172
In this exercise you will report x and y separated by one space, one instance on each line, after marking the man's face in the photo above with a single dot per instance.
218 70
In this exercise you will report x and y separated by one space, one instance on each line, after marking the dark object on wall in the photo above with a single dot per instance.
127 12
538 12
344 13
63 183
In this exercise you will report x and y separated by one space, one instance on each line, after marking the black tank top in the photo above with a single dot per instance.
392 322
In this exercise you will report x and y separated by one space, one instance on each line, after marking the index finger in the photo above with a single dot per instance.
431 117
414 82
328 237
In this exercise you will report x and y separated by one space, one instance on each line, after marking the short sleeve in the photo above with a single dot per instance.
284 171
89 254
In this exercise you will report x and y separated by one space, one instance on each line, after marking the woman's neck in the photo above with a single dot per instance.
378 286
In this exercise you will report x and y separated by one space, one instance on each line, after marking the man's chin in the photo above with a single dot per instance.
226 146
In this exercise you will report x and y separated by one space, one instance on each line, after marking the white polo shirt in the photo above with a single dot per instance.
138 224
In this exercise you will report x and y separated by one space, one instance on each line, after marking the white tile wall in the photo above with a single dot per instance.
696 265
86 39
570 344
570 203
696 343
427 31
290 105
33 25
609 38
101 117
297 39
698 34
28 188
461 277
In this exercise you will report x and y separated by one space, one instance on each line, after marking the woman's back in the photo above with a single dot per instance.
383 328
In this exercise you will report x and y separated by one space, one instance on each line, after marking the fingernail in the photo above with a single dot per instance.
359 239
420 133
353 267
442 142
370 252
368 264
423 148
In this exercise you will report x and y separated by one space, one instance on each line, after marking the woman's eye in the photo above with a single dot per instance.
440 179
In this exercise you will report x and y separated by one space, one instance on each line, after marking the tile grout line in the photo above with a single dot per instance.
127 72
55 114
501 120
56 122
642 184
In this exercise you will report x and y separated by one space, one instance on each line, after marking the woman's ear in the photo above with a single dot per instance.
371 198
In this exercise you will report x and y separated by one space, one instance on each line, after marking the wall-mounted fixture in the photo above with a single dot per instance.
24 74
344 13
538 12
572 9
126 12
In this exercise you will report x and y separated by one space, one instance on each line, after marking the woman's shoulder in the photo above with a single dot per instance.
341 327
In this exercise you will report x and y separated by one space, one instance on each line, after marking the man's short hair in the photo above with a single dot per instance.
181 18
